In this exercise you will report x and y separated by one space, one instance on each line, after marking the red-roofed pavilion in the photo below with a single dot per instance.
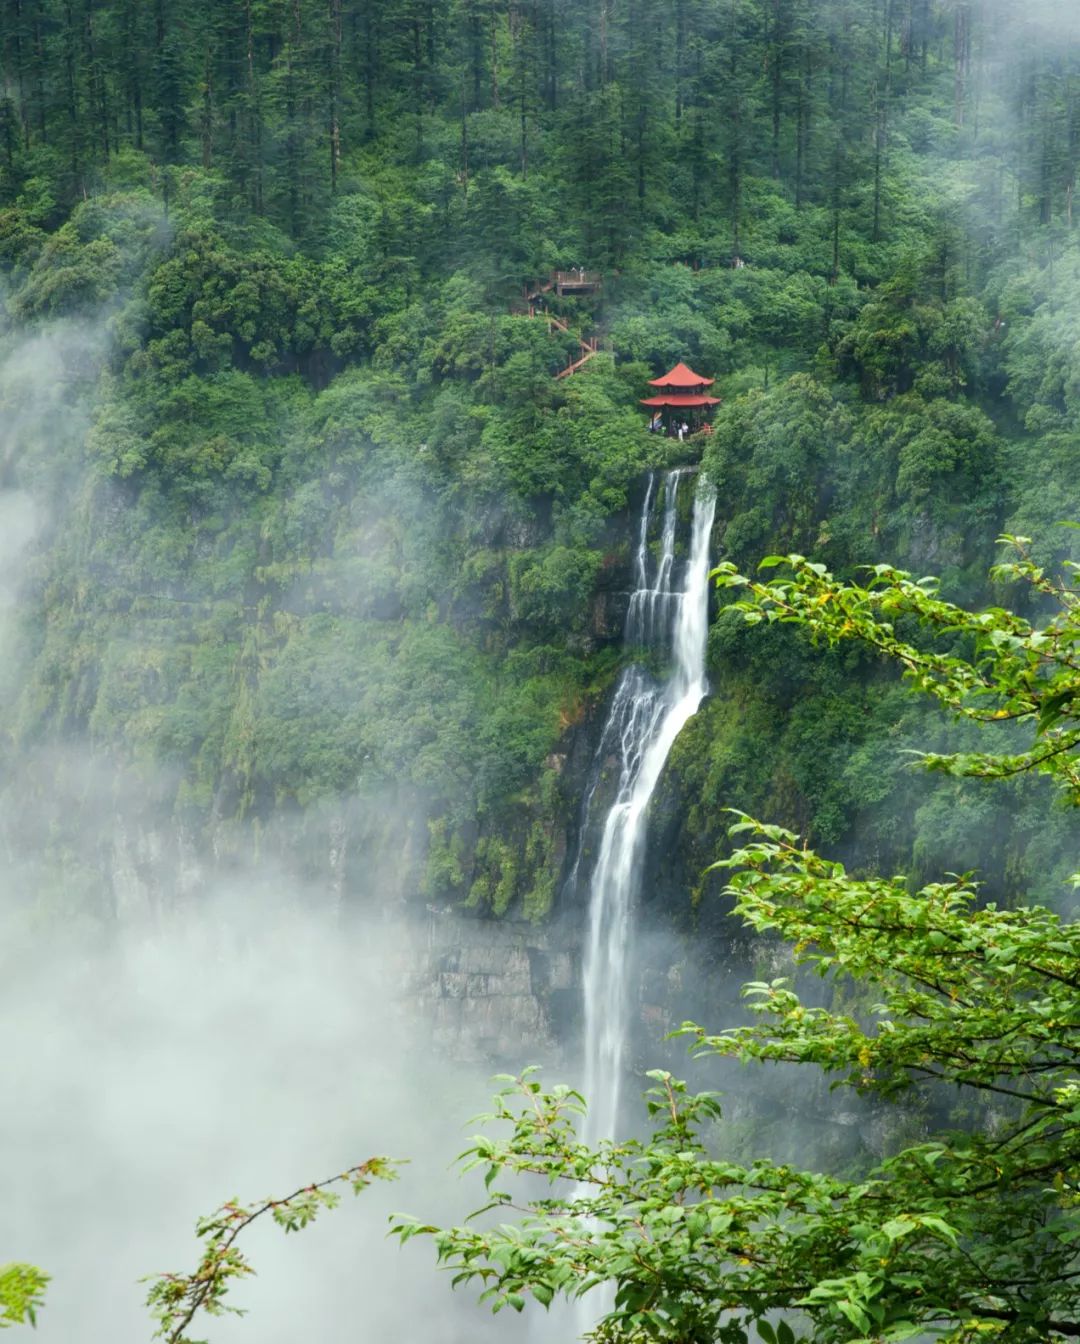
682 406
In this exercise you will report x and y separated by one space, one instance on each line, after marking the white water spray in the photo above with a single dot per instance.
645 719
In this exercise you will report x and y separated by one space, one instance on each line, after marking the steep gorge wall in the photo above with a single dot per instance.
92 819
97 834
385 689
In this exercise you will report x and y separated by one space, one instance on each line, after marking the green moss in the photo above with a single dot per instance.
542 868
444 872
495 884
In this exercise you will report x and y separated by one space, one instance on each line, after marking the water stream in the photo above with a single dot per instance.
645 718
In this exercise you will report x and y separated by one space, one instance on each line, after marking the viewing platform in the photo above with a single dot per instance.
574 283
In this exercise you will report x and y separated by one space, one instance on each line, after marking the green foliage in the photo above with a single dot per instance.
966 1234
493 887
175 1300
542 861
22 1294
1012 671
550 592
336 531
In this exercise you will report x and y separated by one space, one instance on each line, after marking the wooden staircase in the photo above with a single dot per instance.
588 348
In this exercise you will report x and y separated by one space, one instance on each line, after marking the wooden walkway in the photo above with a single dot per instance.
562 282
589 348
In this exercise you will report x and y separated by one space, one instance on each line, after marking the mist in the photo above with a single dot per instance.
239 1053
19 523
180 1026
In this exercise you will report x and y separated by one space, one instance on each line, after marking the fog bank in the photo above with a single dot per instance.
238 1052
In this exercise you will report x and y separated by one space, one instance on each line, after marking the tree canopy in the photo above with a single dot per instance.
327 561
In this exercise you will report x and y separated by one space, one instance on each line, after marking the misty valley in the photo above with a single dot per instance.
539 627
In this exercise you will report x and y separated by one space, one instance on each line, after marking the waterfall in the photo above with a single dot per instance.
645 718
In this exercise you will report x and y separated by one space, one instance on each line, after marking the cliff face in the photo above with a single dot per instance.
497 992
104 829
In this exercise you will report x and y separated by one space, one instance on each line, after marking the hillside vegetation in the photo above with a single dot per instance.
323 541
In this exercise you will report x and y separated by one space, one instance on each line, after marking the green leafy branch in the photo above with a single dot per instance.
1017 671
986 997
698 1249
175 1299
964 1236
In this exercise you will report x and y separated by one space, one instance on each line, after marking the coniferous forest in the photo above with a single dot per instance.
318 553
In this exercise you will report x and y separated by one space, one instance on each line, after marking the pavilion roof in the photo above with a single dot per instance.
681 376
680 399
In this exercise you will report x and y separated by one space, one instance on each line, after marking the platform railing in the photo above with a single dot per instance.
575 277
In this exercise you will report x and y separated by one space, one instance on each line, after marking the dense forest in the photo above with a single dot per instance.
354 547
315 550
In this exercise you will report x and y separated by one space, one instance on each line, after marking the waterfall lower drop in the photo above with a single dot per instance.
646 717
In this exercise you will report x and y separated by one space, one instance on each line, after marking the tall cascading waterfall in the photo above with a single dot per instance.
646 717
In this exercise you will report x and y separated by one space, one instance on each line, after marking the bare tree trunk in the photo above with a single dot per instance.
206 124
680 56
881 130
254 110
464 145
335 93
518 27
24 121
961 58
494 58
